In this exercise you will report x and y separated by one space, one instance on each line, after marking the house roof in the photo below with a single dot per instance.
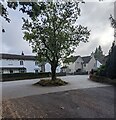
86 59
63 67
12 68
103 60
19 57
71 59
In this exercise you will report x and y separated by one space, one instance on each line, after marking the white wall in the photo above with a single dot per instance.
72 67
28 64
48 68
92 64
98 64
78 63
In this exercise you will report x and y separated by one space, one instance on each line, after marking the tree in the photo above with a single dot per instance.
111 62
4 14
99 53
113 23
53 32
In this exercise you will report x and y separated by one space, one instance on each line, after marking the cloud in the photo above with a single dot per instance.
13 37
94 15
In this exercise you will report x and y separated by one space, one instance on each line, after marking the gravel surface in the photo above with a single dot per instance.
81 103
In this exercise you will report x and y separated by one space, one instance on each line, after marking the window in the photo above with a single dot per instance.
22 70
11 71
21 62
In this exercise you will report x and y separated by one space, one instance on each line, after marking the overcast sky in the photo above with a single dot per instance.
94 15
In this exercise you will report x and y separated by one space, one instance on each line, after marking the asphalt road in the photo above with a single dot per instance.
95 102
22 88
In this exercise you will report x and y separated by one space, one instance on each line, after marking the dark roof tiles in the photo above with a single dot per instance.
86 59
71 59
17 57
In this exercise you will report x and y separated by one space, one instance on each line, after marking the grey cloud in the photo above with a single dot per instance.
94 15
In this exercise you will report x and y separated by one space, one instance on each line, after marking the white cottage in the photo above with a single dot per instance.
80 64
12 63
48 68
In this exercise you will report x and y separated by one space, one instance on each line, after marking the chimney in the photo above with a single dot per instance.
22 53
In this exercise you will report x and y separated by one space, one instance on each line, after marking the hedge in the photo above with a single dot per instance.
23 76
102 79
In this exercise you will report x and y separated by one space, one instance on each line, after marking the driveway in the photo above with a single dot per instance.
22 88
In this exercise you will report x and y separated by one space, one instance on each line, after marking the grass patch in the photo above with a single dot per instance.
49 82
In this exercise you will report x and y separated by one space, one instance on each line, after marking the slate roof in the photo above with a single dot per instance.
17 57
71 59
103 60
86 59
63 67
12 68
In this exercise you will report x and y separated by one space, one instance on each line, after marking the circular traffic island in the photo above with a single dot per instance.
49 82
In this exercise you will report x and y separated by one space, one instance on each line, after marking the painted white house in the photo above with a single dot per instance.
80 64
48 68
12 63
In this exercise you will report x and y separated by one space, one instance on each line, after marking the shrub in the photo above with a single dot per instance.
103 79
49 82
101 71
21 76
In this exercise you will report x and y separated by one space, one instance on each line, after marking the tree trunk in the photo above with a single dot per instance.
53 70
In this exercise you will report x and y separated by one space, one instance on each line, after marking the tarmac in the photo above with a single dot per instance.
23 88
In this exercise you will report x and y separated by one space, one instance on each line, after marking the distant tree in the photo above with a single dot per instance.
99 53
53 32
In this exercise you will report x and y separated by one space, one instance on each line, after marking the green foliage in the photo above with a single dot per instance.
4 14
22 76
53 31
113 23
48 82
102 79
111 63
109 69
101 71
99 53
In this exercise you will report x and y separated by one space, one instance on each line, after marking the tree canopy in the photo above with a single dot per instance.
53 31
99 53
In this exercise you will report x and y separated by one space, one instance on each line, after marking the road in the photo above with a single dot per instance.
96 102
22 88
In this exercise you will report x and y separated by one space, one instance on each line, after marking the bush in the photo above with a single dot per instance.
80 73
101 71
21 76
49 82
61 74
102 79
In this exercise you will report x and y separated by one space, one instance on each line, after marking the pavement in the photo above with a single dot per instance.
23 88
